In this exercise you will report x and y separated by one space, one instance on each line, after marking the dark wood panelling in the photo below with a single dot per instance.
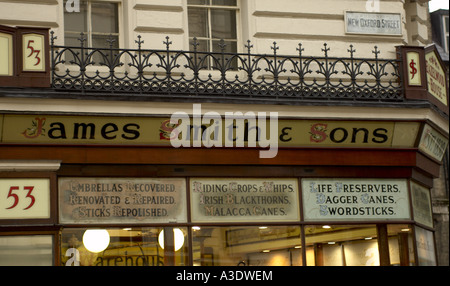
216 156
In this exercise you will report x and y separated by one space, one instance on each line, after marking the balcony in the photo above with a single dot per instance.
169 73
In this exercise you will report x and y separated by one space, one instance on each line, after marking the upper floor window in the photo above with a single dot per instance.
211 21
98 20
446 32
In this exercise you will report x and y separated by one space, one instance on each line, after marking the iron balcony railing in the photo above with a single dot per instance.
168 72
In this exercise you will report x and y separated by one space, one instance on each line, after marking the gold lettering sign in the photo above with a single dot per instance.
239 200
355 199
51 129
122 200
436 77
33 53
6 54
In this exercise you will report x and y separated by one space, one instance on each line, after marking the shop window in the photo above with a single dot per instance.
30 250
98 21
426 252
356 245
340 245
211 21
152 246
401 247
247 245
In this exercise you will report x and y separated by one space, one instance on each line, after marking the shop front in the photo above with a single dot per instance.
324 160
111 191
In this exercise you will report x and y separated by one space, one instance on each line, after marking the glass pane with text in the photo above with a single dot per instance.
138 246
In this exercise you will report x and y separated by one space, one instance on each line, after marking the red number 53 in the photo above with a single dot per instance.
33 51
16 197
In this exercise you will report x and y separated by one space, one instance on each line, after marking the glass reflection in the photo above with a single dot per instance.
27 250
247 245
356 245
341 245
128 247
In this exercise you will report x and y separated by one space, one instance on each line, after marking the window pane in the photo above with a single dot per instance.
76 21
213 2
203 45
203 49
426 253
34 250
446 24
102 42
252 245
230 47
104 17
401 245
339 245
71 40
198 2
223 24
447 38
224 2
152 246
198 22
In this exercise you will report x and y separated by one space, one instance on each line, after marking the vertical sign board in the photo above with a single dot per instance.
421 202
436 77
426 252
33 53
355 199
414 78
244 200
414 68
424 75
433 143
24 198
122 200
24 60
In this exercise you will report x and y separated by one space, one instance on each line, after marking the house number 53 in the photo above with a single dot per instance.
14 192
33 51
25 198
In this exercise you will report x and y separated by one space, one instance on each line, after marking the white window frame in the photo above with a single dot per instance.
89 21
445 33
95 68
216 74
209 7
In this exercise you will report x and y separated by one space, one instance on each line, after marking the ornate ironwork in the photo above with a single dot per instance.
233 75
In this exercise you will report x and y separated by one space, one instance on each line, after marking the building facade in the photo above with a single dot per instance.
439 28
231 132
